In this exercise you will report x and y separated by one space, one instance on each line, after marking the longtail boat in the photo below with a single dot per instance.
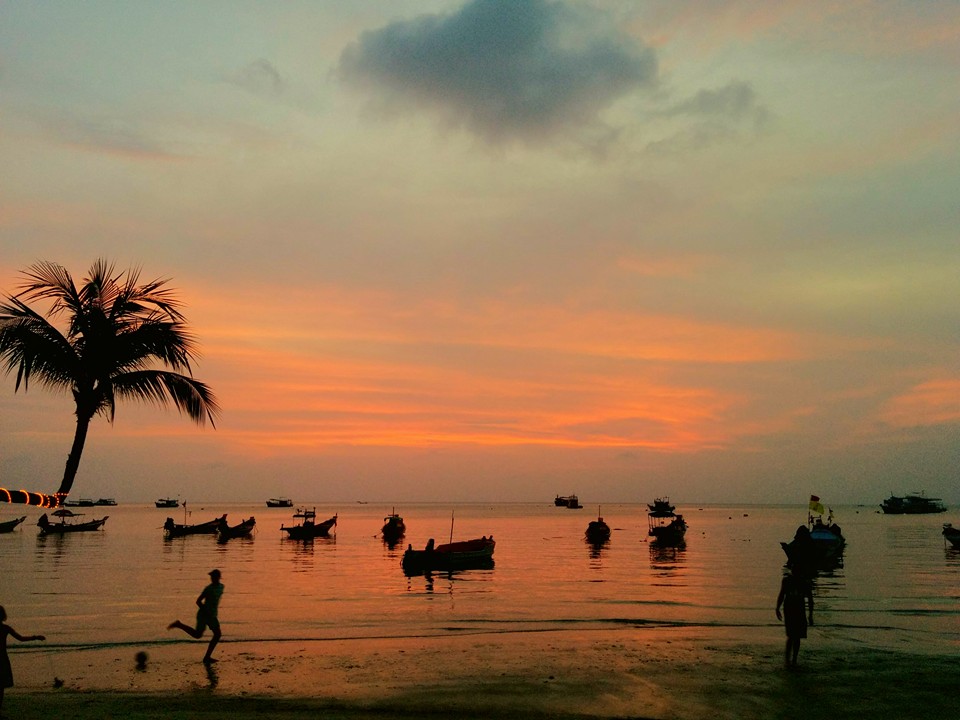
665 526
598 532
393 528
8 525
463 555
174 530
226 532
818 545
309 528
63 527
952 534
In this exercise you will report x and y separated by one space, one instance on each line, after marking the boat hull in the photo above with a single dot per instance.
912 505
9 525
310 530
173 530
952 535
597 532
466 555
244 529
67 528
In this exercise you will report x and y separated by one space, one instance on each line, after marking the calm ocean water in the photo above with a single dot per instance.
899 585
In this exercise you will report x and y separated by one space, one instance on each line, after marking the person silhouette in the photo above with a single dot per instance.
6 671
795 591
207 603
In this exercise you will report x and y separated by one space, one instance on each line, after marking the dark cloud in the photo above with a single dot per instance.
737 101
260 78
502 68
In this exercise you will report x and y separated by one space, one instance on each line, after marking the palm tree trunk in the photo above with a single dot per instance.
73 459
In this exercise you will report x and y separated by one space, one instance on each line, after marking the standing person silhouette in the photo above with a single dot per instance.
795 591
207 604
6 671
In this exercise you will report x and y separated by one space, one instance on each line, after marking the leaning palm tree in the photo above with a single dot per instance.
116 331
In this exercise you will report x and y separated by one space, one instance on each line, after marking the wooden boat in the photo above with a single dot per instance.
167 503
598 532
226 532
393 528
175 530
817 545
913 504
952 534
279 502
663 525
463 555
8 525
63 527
309 528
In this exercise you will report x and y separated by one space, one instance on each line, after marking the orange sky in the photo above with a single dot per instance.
711 253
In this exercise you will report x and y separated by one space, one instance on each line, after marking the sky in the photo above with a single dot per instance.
495 251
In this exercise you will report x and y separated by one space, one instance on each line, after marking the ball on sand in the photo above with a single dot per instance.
141 658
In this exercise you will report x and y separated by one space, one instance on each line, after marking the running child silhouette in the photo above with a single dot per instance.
207 604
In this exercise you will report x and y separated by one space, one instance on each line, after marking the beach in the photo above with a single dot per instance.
611 672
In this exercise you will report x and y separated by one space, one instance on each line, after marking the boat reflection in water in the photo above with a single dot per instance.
667 557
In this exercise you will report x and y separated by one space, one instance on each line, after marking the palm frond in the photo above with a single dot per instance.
191 397
34 347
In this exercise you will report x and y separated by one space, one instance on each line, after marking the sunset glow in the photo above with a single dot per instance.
712 251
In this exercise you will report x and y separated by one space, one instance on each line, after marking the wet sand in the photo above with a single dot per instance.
610 672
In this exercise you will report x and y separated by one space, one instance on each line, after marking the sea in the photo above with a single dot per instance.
898 586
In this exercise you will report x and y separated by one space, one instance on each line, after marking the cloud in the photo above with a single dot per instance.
502 69
259 78
116 136
736 101
731 113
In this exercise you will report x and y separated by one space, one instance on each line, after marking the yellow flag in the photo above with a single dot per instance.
816 506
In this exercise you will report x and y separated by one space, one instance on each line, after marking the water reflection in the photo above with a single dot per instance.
302 552
596 548
667 557
952 557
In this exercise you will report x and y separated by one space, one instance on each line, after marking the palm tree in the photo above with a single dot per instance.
116 329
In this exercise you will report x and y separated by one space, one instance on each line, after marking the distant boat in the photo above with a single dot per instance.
817 545
279 502
463 555
227 532
568 501
8 525
175 530
913 504
63 527
598 532
109 502
80 502
167 503
663 525
393 528
309 528
952 534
